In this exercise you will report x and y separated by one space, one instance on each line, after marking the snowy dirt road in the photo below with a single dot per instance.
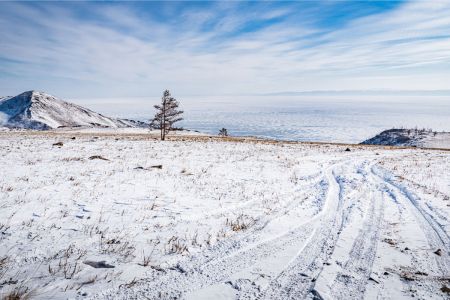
189 219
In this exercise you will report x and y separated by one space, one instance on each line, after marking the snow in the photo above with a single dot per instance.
220 219
411 138
38 110
125 131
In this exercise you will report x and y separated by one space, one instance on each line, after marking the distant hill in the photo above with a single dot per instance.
411 138
38 110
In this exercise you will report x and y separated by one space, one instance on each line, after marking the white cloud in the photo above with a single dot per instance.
123 53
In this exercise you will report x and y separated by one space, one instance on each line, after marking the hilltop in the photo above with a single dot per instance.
420 138
41 111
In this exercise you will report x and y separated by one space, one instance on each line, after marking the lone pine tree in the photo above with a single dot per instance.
166 115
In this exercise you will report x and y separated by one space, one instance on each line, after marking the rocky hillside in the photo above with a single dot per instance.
411 138
37 110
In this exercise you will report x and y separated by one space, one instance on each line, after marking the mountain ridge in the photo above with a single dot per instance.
41 111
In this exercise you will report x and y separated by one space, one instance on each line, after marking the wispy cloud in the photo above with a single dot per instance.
106 49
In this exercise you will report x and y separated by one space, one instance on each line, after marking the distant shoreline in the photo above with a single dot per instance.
197 137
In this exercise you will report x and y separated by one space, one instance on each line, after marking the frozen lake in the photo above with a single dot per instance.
349 119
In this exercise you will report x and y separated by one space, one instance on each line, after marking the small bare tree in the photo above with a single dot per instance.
167 114
223 132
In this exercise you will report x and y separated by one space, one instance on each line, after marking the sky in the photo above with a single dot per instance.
135 49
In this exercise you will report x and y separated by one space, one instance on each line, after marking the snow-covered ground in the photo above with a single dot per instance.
209 219
124 131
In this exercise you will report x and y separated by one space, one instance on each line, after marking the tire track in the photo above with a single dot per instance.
308 245
298 279
436 236
252 237
180 281
214 268
351 281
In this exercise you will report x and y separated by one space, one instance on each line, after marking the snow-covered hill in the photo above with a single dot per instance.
412 138
37 110
129 217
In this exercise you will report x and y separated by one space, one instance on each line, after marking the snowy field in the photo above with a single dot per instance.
123 216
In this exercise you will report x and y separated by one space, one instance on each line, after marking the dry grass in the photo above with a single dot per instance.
4 266
69 262
118 245
19 293
242 222
177 245
196 138
68 159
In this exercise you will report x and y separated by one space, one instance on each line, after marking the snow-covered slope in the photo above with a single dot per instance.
211 219
37 110
411 137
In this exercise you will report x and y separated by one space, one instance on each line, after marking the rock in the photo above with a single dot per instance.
373 279
390 241
97 157
154 167
98 264
407 276
240 284
158 268
445 289
347 150
421 273
179 268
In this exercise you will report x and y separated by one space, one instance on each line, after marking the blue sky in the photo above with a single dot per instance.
121 49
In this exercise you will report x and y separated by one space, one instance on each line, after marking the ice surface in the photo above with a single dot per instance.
336 118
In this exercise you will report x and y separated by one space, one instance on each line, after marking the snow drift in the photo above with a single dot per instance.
38 110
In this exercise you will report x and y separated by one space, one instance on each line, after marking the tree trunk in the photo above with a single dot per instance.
163 127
